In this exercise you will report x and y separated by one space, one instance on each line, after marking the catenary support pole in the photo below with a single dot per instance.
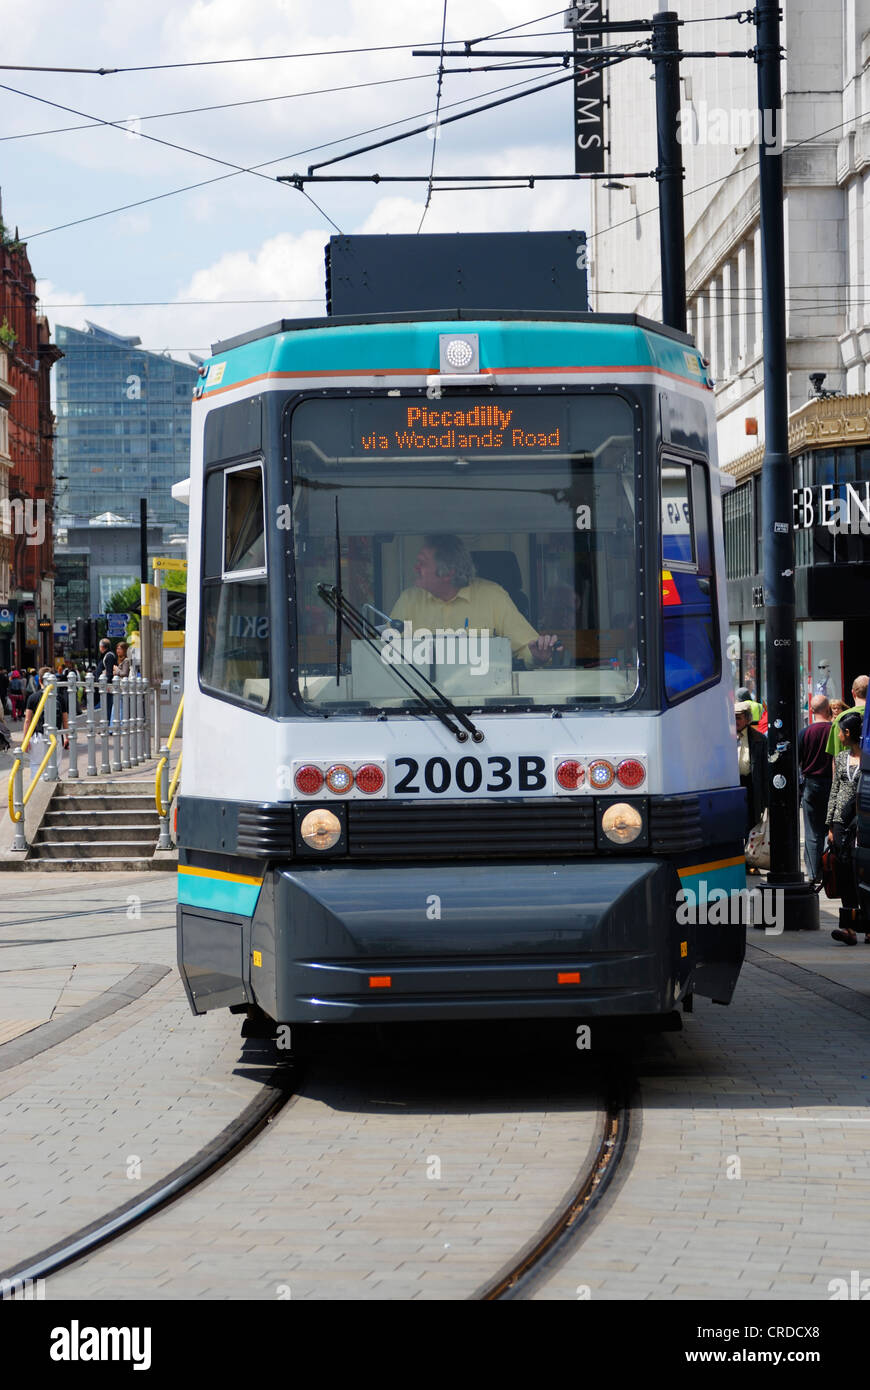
143 540
801 907
669 174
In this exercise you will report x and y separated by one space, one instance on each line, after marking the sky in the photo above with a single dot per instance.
247 237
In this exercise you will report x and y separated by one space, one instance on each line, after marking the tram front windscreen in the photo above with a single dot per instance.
488 542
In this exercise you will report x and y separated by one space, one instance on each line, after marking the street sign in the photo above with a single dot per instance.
589 145
116 624
61 629
168 562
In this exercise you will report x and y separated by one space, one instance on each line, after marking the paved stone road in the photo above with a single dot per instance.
747 1177
395 1182
750 1179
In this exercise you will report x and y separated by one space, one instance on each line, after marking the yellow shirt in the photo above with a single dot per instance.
480 604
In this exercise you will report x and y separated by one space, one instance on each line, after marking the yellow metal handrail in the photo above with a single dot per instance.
25 744
161 809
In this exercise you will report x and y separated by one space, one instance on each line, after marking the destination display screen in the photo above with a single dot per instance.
404 428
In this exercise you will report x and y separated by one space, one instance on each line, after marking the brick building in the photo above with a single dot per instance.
30 356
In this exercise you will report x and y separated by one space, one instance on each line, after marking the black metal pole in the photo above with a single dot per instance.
143 540
801 903
672 234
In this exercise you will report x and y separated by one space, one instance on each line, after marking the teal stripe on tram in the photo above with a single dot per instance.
220 894
411 347
730 877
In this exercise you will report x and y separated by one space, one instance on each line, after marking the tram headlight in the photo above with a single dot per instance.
622 823
320 829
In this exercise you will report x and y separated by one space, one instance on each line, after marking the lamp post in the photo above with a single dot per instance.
801 903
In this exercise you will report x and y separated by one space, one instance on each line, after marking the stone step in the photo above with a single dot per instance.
95 849
88 818
86 835
103 803
87 786
84 865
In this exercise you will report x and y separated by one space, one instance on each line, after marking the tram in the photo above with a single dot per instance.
458 728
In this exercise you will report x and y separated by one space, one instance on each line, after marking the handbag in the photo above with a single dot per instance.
829 872
758 845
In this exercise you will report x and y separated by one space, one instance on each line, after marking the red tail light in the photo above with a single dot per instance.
370 778
570 775
630 772
309 780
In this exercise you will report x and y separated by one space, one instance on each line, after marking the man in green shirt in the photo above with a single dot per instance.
859 700
447 595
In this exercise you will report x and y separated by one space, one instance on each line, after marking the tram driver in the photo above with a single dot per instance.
446 594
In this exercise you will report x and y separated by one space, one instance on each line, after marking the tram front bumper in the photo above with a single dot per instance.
378 943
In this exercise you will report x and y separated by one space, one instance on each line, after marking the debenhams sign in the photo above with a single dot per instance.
843 508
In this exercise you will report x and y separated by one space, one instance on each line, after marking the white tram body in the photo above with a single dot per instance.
507 841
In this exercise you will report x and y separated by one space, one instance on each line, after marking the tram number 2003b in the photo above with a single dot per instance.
524 773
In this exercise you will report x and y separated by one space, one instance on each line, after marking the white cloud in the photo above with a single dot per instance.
245 238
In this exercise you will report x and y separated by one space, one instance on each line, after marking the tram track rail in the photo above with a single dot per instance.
557 1239
233 1140
561 1235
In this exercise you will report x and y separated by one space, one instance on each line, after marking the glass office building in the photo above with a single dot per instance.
123 428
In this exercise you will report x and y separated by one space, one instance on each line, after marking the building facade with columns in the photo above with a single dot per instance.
825 138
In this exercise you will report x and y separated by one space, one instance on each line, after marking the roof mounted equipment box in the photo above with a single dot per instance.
475 270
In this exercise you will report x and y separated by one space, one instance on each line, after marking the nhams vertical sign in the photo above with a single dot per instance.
588 89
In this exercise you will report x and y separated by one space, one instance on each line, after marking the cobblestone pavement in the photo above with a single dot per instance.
750 1172
395 1182
147 1082
746 1176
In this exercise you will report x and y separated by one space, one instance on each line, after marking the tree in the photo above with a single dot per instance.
125 601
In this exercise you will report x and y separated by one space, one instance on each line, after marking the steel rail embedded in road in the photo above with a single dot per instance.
571 1221
261 1111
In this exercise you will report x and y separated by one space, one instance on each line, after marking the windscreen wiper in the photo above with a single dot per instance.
361 628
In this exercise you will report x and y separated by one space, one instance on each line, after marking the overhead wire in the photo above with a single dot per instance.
261 58
221 106
295 154
435 127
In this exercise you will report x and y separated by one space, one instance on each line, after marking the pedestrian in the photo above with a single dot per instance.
122 670
31 683
838 707
842 819
752 764
859 700
39 742
816 772
5 735
16 693
106 664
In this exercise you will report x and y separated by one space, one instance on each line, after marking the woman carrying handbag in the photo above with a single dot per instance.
841 822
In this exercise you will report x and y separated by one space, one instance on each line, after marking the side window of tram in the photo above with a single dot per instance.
234 647
691 656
